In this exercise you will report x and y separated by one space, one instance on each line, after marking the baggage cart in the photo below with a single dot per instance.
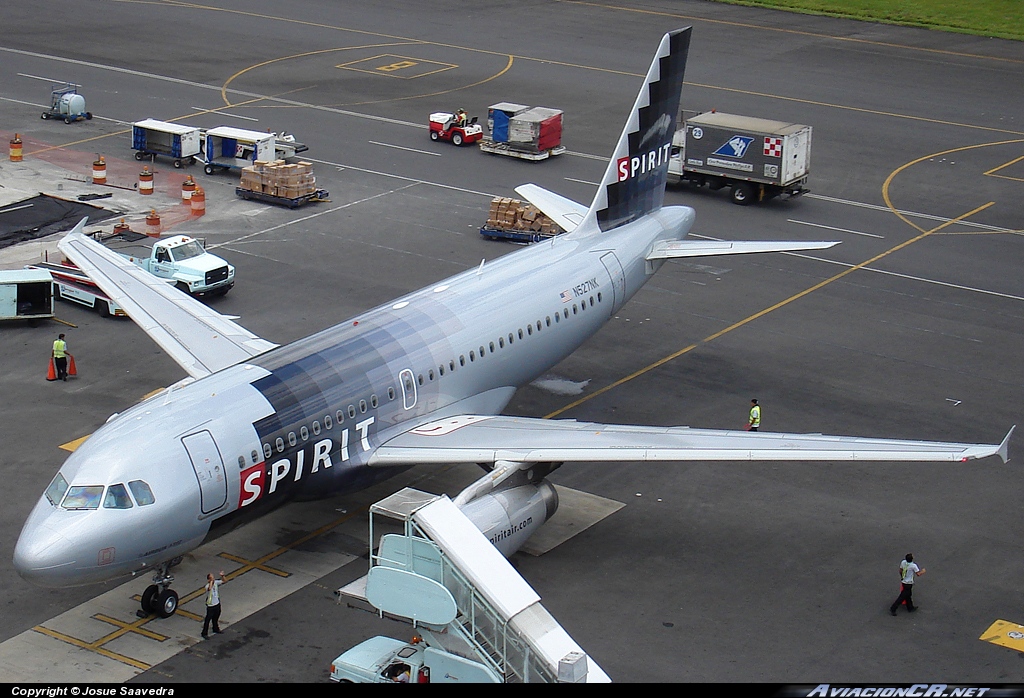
151 138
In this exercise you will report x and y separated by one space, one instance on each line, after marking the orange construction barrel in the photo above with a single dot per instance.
99 170
16 148
187 187
198 202
122 227
145 181
153 224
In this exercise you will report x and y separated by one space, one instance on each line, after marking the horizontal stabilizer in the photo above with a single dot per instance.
565 212
478 439
674 249
199 339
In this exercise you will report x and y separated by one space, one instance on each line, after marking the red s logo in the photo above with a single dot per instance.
251 487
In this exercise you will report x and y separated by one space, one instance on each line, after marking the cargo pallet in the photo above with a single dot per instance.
249 195
489 146
526 236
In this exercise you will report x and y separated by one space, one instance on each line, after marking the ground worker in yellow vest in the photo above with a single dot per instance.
755 416
60 357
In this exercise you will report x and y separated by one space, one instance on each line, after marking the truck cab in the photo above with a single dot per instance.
181 260
386 660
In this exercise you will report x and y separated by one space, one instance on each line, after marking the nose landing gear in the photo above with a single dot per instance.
158 598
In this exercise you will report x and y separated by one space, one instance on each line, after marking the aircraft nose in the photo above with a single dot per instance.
43 556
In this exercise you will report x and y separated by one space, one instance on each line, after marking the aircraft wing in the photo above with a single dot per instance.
485 439
201 340
565 212
673 249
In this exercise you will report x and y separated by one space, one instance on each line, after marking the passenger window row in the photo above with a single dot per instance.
304 431
318 426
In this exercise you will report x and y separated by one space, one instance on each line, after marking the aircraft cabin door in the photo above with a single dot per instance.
618 278
209 469
408 382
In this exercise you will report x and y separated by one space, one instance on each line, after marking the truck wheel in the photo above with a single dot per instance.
103 308
208 169
457 138
742 193
433 134
67 119
181 286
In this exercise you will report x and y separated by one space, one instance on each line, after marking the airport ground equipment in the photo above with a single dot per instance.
71 284
443 127
180 259
151 138
758 159
229 148
280 183
516 221
290 202
528 133
475 618
66 104
26 294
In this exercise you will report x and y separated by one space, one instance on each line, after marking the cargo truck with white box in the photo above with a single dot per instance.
758 159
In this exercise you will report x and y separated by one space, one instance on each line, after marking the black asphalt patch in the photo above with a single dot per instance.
43 215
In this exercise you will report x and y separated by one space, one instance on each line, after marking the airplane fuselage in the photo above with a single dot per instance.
302 420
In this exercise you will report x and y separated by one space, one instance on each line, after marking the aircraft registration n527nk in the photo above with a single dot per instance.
422 379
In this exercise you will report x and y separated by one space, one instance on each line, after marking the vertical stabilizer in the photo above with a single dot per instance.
634 183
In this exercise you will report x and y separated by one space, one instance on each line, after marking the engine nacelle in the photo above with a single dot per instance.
510 516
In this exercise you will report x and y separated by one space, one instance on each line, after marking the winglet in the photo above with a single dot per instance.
1004 447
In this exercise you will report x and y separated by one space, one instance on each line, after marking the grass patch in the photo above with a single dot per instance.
1003 19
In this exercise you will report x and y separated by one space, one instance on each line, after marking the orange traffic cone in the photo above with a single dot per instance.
51 375
72 371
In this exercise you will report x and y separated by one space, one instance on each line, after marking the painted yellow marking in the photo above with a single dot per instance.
764 312
96 647
992 172
1005 634
72 446
250 565
133 627
398 63
902 168
397 66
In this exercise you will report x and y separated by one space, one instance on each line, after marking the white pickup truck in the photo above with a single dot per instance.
180 259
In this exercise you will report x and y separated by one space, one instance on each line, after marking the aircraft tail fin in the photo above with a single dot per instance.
634 183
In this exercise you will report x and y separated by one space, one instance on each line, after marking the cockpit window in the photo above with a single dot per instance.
142 493
83 497
117 498
55 492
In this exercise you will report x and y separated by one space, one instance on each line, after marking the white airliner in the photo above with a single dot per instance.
422 379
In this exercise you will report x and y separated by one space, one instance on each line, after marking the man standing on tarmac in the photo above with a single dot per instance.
755 416
908 570
60 357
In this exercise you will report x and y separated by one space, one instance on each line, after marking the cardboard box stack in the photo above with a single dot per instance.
278 178
513 214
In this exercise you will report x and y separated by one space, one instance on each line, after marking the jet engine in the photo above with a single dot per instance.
510 503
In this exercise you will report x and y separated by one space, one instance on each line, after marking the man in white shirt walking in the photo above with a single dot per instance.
908 571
